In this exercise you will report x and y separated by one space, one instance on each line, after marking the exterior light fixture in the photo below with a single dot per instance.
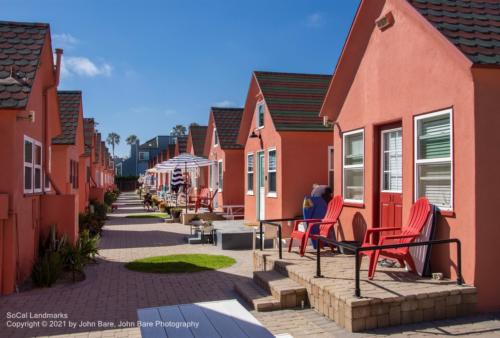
254 135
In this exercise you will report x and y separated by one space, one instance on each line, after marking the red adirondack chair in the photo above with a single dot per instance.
419 214
325 225
205 199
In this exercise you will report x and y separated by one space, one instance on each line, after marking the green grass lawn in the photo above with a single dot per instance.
149 215
180 263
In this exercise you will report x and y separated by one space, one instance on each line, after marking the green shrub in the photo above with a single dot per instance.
47 269
88 246
48 266
91 223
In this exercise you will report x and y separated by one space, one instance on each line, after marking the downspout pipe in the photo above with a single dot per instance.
57 74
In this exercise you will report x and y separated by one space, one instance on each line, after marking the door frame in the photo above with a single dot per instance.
377 170
381 159
261 198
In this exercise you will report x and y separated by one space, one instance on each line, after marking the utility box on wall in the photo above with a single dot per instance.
4 206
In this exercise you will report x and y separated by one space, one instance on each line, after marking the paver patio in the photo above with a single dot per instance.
111 293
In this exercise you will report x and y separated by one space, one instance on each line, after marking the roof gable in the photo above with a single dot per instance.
227 123
21 46
294 100
472 26
69 113
181 144
88 134
196 138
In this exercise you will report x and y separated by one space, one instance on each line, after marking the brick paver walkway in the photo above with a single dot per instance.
112 294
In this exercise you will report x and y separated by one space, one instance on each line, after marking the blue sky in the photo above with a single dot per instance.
144 66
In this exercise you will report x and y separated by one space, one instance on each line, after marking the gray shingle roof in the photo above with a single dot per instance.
21 46
227 122
473 26
69 109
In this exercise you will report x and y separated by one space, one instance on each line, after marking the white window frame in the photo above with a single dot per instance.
257 114
220 175
442 160
382 161
33 166
331 156
272 193
251 192
354 166
215 137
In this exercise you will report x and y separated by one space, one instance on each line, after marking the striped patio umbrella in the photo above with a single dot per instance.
184 160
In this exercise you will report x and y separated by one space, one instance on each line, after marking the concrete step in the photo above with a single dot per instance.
289 293
257 297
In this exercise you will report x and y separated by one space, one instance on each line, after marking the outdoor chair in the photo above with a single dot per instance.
326 225
419 213
205 199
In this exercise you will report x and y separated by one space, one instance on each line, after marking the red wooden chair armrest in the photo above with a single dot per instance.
376 230
308 220
382 229
383 238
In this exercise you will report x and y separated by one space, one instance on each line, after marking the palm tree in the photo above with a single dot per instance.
113 140
193 124
178 130
132 139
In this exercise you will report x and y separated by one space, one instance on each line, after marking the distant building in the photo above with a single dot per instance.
141 154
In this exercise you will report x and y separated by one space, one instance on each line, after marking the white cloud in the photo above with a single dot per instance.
315 20
225 103
64 40
170 112
82 66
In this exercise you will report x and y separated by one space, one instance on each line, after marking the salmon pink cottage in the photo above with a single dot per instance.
226 175
414 102
29 119
286 144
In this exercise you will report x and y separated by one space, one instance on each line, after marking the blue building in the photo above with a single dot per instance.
140 154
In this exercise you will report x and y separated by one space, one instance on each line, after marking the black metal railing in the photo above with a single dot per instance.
273 222
357 250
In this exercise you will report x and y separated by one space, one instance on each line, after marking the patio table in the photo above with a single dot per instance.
226 318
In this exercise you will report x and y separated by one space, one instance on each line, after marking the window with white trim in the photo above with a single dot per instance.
32 166
216 138
330 166
353 166
433 158
271 172
250 166
260 115
221 175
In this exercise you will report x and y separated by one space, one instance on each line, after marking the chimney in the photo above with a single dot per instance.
59 53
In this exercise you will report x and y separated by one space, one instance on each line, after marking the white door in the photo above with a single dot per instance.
261 185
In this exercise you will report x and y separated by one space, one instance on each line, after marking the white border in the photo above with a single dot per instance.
259 104
382 160
220 174
357 131
272 194
416 161
330 166
250 192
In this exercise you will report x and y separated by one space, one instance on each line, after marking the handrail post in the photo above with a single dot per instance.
260 234
318 262
357 290
459 262
280 244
